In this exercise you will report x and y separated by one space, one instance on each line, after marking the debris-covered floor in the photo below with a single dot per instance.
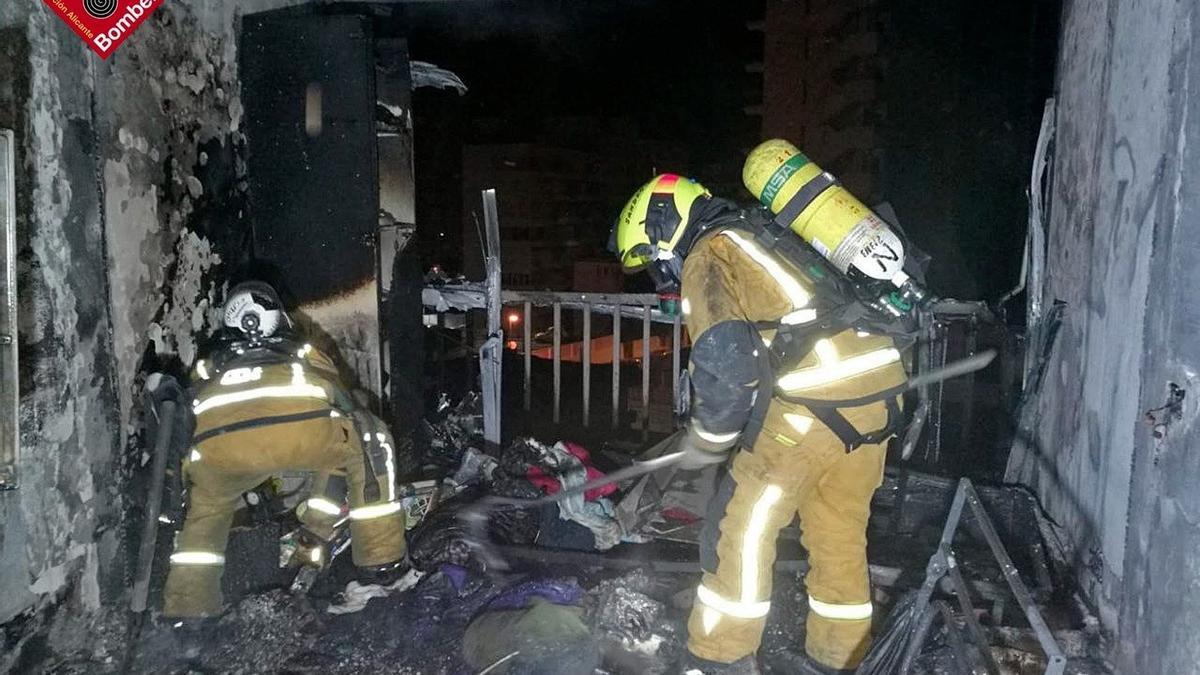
618 610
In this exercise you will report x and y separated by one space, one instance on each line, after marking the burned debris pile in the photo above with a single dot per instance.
602 582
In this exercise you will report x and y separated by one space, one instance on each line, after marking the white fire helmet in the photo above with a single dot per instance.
254 308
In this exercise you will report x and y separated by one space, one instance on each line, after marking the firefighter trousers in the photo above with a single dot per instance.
220 469
796 468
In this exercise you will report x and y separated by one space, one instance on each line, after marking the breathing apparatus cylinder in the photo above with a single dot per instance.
857 242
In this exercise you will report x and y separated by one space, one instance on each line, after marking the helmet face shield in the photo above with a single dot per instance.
638 258
667 274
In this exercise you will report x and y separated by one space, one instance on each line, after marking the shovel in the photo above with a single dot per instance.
475 516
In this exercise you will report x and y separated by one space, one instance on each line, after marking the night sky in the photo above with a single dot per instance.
961 96
658 70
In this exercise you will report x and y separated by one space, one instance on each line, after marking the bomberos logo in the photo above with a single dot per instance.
103 24
100 9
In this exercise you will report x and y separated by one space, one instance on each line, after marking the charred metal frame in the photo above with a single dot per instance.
943 564
489 296
10 435
932 353
492 351
620 306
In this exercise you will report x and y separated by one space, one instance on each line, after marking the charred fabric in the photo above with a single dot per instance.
602 582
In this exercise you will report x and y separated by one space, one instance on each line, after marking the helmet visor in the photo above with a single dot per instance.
638 258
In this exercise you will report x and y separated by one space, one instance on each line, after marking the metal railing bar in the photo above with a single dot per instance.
646 372
528 357
557 361
587 363
463 297
616 366
547 298
676 349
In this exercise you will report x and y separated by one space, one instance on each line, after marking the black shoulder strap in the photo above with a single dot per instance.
762 399
242 354
839 425
259 422
792 343
852 438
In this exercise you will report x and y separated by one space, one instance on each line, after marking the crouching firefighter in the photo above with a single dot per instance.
782 345
264 403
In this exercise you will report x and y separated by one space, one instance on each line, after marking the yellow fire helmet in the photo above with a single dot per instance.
653 222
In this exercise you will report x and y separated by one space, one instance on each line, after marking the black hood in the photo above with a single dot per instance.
707 215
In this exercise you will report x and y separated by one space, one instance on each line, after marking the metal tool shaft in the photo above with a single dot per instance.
620 475
145 565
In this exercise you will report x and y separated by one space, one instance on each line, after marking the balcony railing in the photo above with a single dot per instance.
620 308
950 330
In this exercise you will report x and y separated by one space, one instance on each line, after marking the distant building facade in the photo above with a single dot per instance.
556 207
822 73
598 276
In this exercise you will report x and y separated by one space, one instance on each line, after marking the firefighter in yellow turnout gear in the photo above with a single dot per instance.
267 404
738 297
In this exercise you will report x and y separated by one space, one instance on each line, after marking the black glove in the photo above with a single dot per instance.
701 450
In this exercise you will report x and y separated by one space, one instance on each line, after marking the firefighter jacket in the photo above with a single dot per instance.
271 407
736 296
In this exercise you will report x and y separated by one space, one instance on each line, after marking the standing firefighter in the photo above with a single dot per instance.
775 331
267 403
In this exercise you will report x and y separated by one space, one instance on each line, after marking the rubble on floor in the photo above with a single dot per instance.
605 584
453 431
637 632
533 623
258 632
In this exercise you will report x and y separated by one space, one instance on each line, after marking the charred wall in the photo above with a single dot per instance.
56 528
130 217
1122 254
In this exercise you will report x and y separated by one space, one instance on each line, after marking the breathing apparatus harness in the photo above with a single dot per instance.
841 305
258 351
255 351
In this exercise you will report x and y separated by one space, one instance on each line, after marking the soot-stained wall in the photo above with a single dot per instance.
54 528
130 215
1123 254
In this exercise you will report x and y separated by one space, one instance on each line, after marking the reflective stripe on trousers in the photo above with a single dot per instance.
322 505
814 478
197 558
840 611
749 605
375 511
